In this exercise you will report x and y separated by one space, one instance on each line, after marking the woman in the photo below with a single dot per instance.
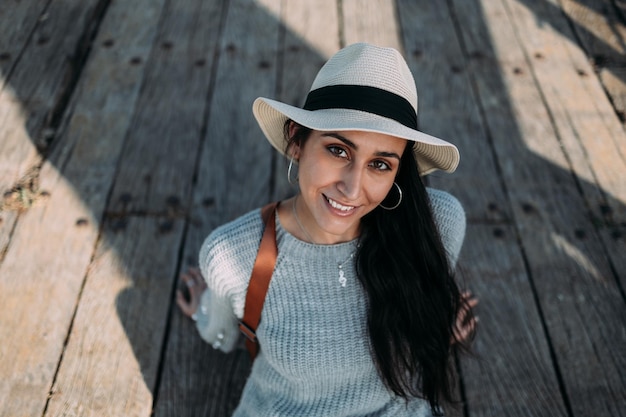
362 308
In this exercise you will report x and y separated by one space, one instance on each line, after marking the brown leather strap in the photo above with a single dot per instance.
260 279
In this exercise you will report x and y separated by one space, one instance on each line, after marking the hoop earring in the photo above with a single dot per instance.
399 200
289 180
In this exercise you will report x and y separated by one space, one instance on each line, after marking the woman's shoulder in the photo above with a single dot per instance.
449 217
235 235
239 228
227 254
445 203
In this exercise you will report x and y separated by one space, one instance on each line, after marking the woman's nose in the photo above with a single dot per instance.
350 182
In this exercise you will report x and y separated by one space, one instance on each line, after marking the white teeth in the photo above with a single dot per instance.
339 206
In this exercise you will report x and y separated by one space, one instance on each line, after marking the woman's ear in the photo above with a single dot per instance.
293 128
293 151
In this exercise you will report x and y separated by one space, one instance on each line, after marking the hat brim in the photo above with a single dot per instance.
430 152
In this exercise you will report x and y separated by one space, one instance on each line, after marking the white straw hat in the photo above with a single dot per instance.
362 87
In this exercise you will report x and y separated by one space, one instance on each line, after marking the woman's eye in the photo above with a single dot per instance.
380 165
337 151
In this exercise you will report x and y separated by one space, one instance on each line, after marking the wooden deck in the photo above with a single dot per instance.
126 135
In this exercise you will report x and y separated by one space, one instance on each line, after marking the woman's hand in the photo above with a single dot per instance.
195 284
465 324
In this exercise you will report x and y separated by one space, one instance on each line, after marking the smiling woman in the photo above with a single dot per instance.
362 310
342 177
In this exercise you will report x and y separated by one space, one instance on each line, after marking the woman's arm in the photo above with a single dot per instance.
449 216
213 315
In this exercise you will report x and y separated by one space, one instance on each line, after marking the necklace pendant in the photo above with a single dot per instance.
342 278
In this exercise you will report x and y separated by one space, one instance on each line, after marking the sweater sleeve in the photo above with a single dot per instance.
226 259
216 322
450 219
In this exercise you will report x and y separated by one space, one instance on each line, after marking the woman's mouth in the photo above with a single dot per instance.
338 206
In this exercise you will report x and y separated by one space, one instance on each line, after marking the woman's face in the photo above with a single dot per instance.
343 176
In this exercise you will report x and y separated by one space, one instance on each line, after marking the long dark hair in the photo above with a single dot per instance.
413 298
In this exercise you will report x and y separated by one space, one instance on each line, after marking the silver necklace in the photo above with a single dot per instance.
342 276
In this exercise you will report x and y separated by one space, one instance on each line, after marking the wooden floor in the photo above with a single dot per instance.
126 135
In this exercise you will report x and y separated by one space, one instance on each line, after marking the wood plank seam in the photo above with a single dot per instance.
187 223
67 336
206 383
77 64
546 332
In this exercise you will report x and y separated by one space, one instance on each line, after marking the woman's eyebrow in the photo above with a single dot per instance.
341 138
353 145
388 155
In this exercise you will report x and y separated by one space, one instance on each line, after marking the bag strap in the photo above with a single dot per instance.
260 279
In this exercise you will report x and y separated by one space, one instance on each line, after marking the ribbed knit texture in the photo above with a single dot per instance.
315 357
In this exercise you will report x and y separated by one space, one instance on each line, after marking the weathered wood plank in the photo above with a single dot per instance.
39 84
311 37
39 294
18 153
518 380
582 306
185 45
590 132
233 177
35 75
372 21
597 25
40 291
602 32
110 364
447 108
613 81
17 23
156 172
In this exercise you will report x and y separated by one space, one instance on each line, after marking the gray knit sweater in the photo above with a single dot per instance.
315 356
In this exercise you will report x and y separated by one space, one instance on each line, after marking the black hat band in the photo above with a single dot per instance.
365 98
